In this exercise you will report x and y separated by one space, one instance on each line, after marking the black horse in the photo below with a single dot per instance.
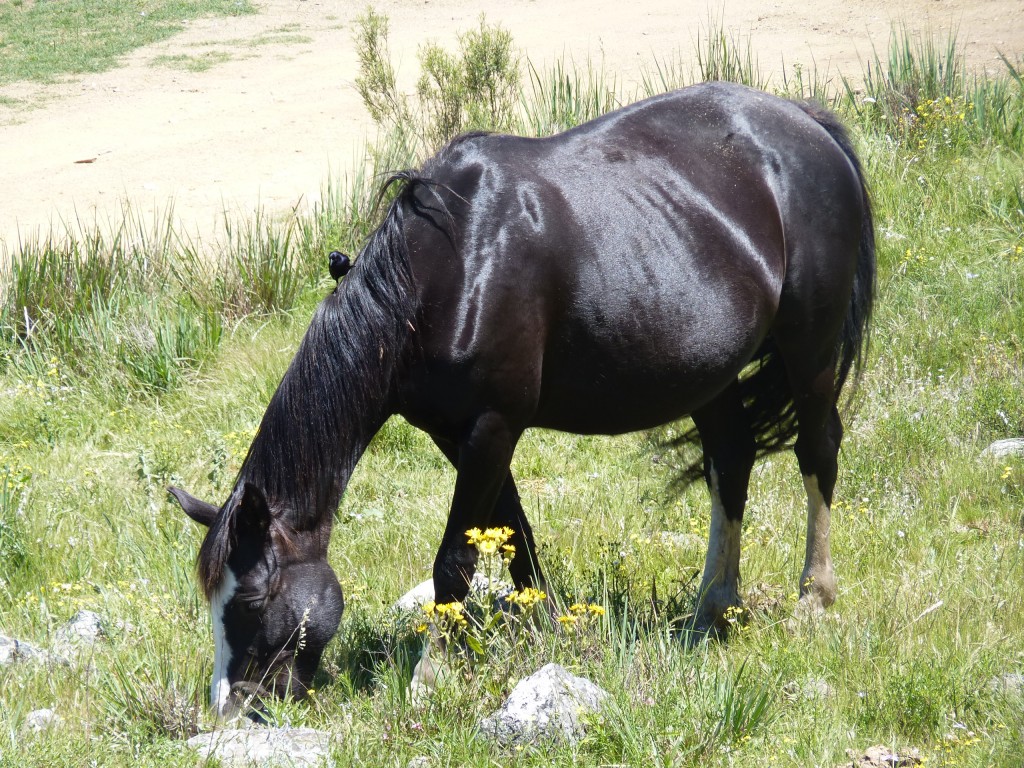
707 252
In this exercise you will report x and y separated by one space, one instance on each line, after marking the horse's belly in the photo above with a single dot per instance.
589 395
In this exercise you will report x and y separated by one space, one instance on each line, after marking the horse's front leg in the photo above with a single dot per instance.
508 512
482 461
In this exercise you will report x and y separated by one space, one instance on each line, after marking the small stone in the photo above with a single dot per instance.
1002 449
41 720
12 650
419 762
1010 683
811 689
264 747
83 630
683 540
416 597
882 757
550 704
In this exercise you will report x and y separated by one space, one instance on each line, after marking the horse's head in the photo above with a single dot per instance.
275 603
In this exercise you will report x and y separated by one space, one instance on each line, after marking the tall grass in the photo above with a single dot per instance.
566 96
922 93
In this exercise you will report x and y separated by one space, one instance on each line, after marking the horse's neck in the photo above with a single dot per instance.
303 458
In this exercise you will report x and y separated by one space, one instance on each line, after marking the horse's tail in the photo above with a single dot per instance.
856 332
764 385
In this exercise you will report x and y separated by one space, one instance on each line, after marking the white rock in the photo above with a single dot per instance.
416 597
683 540
423 593
41 719
12 650
1011 683
811 689
269 747
550 704
882 757
1001 449
82 630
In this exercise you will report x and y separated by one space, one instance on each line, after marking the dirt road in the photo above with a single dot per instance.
279 113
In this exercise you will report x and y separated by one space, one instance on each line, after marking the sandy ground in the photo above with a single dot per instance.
280 115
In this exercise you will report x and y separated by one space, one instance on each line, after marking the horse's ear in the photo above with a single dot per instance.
255 512
202 512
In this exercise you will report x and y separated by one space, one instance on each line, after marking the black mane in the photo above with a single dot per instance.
335 394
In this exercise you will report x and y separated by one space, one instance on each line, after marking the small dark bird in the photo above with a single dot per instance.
339 264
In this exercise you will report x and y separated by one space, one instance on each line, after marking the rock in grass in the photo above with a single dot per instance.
84 629
882 757
423 593
416 597
1002 449
811 689
41 720
12 650
551 704
73 641
264 747
1011 684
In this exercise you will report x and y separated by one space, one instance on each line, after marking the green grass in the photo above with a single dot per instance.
43 40
143 362
193 63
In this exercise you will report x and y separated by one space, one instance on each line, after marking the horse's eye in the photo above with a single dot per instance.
255 605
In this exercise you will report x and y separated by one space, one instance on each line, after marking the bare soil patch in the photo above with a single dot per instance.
234 114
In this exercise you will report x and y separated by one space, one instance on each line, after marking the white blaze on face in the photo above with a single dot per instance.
220 688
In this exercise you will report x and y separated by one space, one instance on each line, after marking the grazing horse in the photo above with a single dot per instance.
707 252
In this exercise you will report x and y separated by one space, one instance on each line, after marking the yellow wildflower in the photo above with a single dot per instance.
527 597
488 542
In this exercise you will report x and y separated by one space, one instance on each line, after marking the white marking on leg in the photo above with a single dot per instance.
818 581
720 583
220 687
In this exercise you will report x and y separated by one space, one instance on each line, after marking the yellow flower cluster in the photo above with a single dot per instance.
490 541
580 611
527 597
913 259
734 615
448 613
14 475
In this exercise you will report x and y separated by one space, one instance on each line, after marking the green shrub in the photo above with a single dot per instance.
478 88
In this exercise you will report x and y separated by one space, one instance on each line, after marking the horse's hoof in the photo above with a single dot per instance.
703 629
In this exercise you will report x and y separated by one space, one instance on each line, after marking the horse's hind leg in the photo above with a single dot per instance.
819 434
728 459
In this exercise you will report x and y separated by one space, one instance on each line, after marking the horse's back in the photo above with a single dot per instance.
641 255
